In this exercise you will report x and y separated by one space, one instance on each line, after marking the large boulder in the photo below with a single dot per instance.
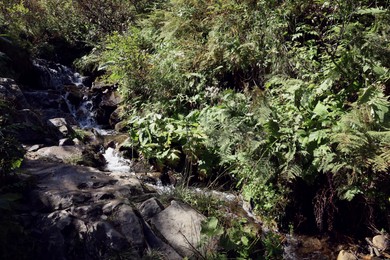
69 154
45 99
60 127
180 225
31 129
346 255
150 208
381 242
128 223
11 92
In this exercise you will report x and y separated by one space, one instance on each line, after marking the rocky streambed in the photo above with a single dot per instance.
88 202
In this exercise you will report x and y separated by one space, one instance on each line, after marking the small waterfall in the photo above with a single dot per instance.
56 77
115 161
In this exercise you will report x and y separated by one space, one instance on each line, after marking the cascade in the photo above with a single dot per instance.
57 77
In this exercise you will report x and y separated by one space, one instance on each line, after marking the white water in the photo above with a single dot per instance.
115 161
56 76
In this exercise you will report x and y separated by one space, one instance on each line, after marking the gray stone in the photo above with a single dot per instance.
346 255
60 126
116 116
31 129
154 242
34 148
65 142
380 242
59 153
61 219
11 92
130 226
180 225
104 235
110 206
150 208
77 141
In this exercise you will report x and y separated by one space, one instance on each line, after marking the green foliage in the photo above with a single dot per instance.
166 138
11 151
269 92
236 241
272 243
322 69
46 26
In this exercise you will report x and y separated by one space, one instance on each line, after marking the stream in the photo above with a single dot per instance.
77 100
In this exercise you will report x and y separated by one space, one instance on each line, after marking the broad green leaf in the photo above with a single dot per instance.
320 110
372 11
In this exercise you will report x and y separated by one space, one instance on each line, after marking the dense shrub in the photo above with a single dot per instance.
308 100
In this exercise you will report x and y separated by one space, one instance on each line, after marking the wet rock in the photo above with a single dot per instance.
150 208
346 255
61 127
74 94
180 225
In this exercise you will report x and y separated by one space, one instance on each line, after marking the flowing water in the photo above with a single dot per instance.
116 162
55 76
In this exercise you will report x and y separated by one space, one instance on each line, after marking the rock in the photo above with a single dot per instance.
31 129
116 116
130 226
59 153
11 92
154 242
18 60
111 99
107 235
116 140
180 225
34 148
76 141
101 86
61 219
150 208
346 255
380 242
65 142
121 127
310 245
111 206
43 99
74 94
61 127
103 237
